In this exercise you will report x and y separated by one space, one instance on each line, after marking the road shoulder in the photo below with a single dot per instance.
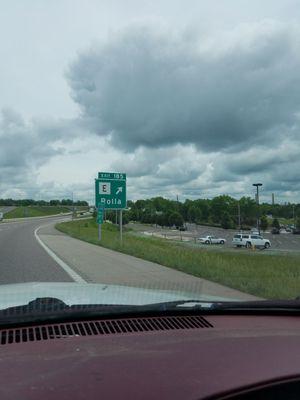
96 264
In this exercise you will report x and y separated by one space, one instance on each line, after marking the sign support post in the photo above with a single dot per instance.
100 221
110 194
99 232
121 227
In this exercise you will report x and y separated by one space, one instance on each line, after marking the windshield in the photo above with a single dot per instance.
138 141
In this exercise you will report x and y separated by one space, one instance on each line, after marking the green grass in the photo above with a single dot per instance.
21 212
267 276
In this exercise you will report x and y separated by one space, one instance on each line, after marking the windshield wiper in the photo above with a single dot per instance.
259 306
49 310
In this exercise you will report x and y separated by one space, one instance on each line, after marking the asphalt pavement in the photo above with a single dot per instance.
34 251
22 259
96 264
284 242
6 209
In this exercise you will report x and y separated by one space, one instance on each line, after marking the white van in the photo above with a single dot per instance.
249 240
1 216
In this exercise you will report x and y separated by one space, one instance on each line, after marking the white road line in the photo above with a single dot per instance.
77 278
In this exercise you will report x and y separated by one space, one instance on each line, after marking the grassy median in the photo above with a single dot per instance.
35 211
263 275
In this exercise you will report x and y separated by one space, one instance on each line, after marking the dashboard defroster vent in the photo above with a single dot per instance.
101 327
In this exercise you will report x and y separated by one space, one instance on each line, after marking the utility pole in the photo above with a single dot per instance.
239 215
294 221
73 205
257 185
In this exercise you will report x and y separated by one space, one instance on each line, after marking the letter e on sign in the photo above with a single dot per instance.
104 188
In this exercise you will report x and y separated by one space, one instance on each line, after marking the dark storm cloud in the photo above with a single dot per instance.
150 88
264 159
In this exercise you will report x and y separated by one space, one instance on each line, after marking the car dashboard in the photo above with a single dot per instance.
153 357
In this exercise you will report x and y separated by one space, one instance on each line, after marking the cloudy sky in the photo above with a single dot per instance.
189 97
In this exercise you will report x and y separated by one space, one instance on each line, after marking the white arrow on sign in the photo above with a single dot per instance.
119 190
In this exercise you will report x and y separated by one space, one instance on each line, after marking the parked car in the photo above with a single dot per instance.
1 216
246 240
285 230
211 240
296 231
275 231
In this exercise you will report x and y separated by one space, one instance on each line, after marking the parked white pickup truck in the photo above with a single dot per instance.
211 240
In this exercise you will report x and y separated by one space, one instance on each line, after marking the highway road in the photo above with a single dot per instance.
22 259
6 209
34 251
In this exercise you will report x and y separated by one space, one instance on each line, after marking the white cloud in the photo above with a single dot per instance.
182 113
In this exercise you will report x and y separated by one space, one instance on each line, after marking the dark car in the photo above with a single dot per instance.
275 231
296 231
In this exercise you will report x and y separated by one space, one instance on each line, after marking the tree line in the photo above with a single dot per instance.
31 202
224 211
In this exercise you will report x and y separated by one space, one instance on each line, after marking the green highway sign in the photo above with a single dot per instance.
110 190
100 216
111 175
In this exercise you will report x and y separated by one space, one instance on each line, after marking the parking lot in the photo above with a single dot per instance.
282 242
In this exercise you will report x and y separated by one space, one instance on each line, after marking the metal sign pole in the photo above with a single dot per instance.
121 227
99 232
110 194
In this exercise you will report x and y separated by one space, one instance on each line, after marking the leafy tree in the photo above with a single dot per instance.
79 203
162 219
222 204
264 223
275 223
130 203
226 221
66 202
125 218
175 219
54 202
194 214
204 206
248 209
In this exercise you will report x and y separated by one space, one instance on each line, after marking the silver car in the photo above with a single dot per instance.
209 239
